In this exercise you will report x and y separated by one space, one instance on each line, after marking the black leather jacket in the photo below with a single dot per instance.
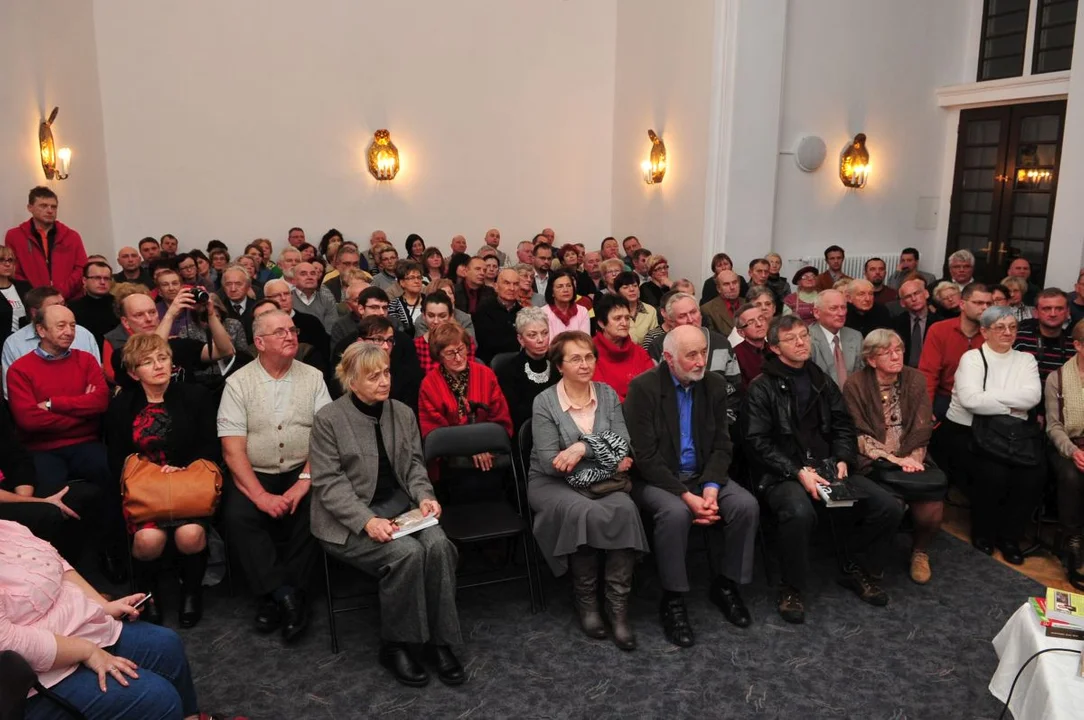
769 424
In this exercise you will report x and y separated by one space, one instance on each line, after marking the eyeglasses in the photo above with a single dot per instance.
380 307
378 340
413 277
890 352
1004 329
156 360
579 359
452 353
7 260
281 333
660 266
794 339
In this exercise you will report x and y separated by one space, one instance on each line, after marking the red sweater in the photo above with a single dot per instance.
942 349
75 417
437 407
64 267
618 366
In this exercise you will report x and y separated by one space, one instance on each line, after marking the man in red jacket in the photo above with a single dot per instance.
57 397
48 252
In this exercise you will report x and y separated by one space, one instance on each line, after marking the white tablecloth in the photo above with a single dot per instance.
1049 689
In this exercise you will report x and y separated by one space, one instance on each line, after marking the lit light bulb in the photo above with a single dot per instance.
63 162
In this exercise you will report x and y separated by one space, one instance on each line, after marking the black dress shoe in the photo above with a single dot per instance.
191 608
724 593
983 545
442 660
791 607
113 567
396 658
675 622
295 615
1010 550
857 581
268 616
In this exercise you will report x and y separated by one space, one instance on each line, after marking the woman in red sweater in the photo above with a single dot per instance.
619 358
459 392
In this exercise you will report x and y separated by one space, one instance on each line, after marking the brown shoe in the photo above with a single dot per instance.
791 607
857 581
920 567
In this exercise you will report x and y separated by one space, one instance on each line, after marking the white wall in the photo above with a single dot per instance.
49 59
238 120
663 82
871 69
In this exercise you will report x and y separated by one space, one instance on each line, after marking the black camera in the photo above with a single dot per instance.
200 296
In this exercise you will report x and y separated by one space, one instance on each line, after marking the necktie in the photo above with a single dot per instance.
916 343
237 308
841 364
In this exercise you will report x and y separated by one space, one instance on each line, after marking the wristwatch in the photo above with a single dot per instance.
305 476
49 405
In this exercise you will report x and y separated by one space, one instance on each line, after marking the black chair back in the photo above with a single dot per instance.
501 361
466 440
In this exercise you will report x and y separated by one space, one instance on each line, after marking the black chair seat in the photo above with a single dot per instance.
481 521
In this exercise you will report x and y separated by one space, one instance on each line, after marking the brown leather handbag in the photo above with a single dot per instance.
150 495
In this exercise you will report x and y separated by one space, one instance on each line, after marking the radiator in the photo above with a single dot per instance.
855 265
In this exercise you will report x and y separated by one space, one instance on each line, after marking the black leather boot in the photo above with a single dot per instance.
619 567
1074 557
146 581
190 605
583 566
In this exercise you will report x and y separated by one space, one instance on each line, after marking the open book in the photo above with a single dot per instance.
411 522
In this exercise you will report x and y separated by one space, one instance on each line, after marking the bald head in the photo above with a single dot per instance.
685 350
459 244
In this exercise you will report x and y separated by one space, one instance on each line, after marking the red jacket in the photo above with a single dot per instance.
64 268
942 349
618 366
437 407
76 414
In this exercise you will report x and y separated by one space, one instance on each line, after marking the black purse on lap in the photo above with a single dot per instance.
1006 438
930 484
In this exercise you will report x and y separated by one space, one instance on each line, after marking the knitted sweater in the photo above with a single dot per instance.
76 413
617 366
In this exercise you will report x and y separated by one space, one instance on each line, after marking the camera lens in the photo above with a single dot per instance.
200 296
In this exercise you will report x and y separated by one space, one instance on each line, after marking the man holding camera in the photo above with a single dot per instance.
798 436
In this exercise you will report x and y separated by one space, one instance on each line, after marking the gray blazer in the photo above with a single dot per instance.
553 430
824 355
343 462
421 327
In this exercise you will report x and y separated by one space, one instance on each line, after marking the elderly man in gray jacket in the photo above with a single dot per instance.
367 469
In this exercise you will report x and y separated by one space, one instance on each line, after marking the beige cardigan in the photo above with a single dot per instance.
1054 429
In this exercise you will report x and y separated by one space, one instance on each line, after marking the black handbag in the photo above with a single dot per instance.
930 484
1006 438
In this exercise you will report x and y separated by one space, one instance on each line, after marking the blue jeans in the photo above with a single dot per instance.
163 689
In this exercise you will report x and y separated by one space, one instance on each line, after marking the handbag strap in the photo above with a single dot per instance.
985 368
1061 395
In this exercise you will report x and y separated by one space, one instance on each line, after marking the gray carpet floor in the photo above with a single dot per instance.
927 655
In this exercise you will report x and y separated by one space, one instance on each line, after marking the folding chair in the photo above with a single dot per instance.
16 680
526 443
500 361
355 598
490 519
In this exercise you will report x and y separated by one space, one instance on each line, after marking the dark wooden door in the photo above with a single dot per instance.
1004 186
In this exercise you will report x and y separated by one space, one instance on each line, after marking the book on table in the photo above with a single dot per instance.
1065 607
411 522
1055 628
838 494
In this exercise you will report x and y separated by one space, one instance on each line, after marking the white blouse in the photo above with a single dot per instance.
1012 385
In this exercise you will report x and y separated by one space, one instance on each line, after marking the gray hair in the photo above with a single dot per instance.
259 323
522 268
530 316
858 283
963 256
238 268
819 302
275 281
359 358
942 287
675 299
877 340
994 313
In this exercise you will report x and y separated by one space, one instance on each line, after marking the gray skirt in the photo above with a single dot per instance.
564 520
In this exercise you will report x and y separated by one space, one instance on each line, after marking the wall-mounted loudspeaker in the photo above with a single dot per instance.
809 153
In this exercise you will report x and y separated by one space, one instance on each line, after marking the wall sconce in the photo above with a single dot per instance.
55 163
654 169
383 156
854 163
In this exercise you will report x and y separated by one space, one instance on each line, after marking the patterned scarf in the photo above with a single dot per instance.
565 316
459 384
1072 394
609 448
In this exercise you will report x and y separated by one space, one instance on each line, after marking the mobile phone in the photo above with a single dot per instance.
146 597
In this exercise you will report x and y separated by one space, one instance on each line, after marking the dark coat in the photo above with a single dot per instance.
15 461
193 431
868 321
770 424
462 302
902 325
406 371
651 415
244 318
495 329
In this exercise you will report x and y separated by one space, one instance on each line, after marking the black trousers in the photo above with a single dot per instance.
1070 491
865 530
47 522
273 552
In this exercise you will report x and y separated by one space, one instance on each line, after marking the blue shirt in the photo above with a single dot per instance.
687 457
25 341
